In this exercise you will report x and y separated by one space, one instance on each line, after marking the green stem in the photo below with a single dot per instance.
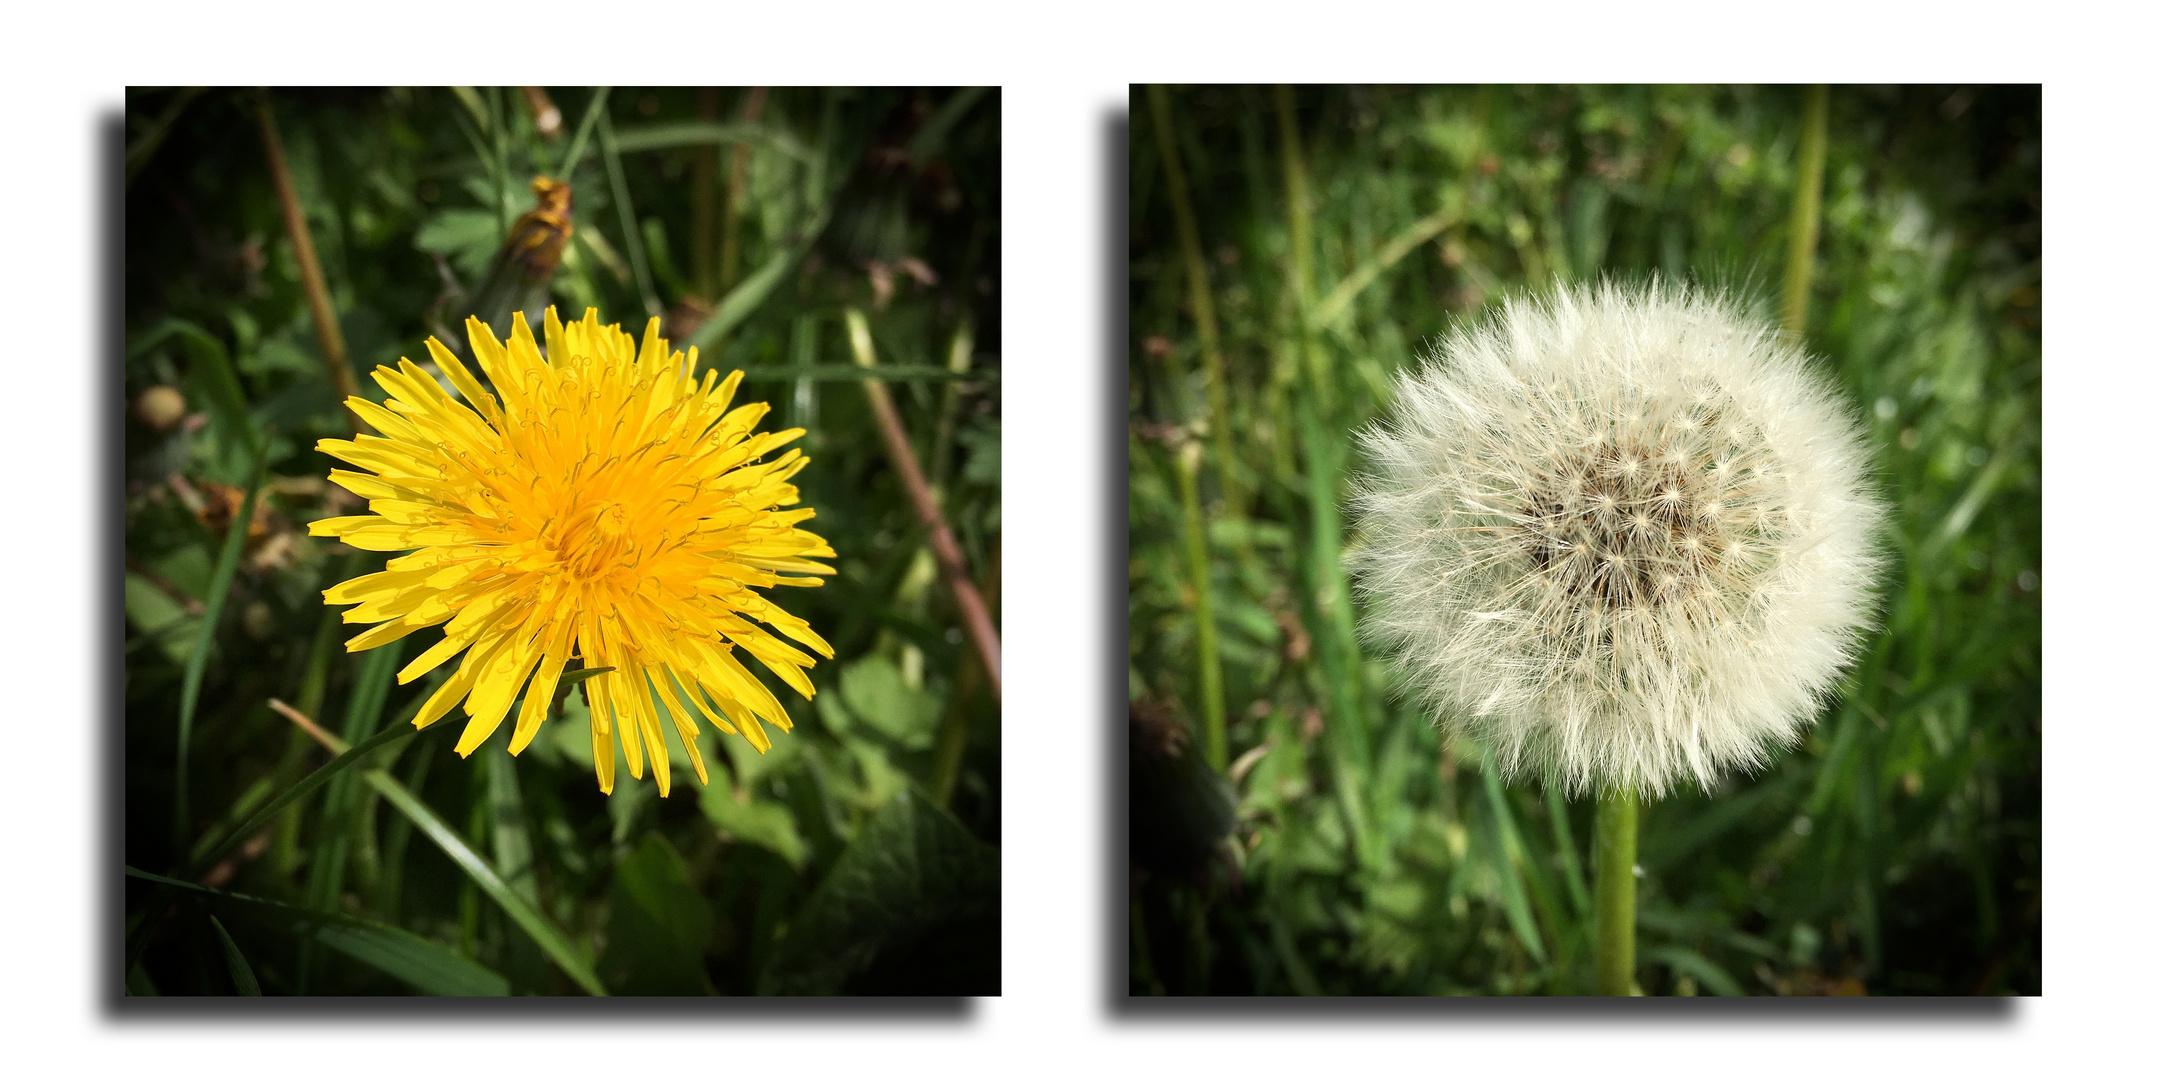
1196 557
1615 867
1203 303
1807 207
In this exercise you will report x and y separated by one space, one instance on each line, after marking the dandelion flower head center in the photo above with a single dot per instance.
1668 503
597 501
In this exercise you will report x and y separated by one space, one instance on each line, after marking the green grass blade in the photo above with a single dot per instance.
744 298
313 780
633 240
326 870
1570 861
139 938
572 678
243 976
213 605
929 142
483 874
510 832
1807 209
669 136
146 145
1337 301
402 954
211 371
841 373
576 153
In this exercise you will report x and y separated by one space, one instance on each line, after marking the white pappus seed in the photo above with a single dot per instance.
1652 529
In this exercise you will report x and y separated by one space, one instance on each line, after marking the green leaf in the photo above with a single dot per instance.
199 658
911 907
769 825
1508 869
427 966
876 693
572 678
1689 962
657 925
466 237
243 976
161 619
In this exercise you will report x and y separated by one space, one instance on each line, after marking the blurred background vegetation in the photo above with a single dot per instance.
1332 844
861 854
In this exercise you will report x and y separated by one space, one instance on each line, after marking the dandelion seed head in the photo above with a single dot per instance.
1654 527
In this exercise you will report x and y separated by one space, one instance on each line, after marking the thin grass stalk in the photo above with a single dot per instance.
594 110
1807 207
498 131
1330 589
704 186
952 736
327 334
1615 869
199 660
633 240
1564 840
1203 302
738 178
1213 739
958 360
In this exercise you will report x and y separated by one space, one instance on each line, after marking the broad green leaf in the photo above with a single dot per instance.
657 925
877 695
769 825
911 907
161 619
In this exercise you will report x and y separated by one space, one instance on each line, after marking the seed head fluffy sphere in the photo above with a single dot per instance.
1623 536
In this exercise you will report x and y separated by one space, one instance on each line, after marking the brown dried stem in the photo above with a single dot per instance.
327 333
952 565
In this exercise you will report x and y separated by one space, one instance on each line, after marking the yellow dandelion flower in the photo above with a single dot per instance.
607 506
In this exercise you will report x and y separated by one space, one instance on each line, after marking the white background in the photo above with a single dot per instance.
1065 69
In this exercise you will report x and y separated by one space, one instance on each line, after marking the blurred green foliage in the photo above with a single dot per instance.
751 221
1896 850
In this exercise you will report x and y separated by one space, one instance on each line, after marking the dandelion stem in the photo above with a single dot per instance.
1212 736
1615 868
1807 207
1203 303
327 334
952 736
952 565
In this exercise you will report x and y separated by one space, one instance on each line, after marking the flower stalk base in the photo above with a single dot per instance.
1615 899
